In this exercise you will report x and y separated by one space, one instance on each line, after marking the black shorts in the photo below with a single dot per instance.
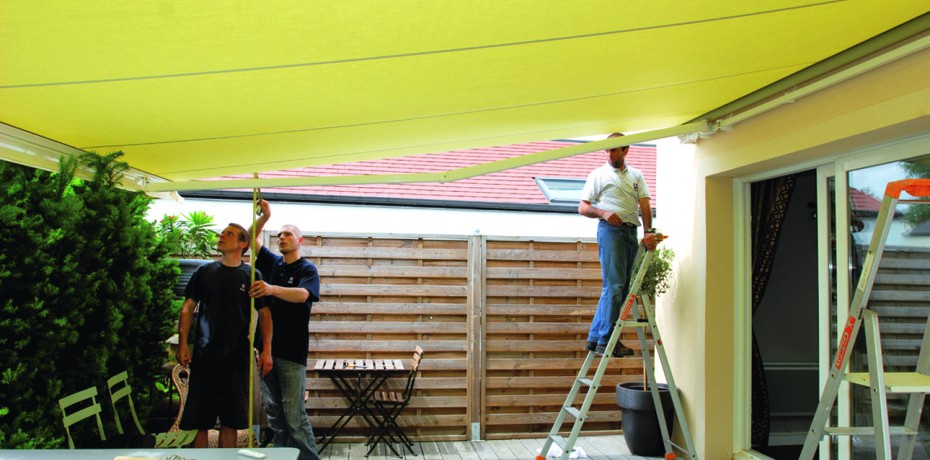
218 388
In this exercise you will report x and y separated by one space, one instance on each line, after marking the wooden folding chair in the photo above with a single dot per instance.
391 403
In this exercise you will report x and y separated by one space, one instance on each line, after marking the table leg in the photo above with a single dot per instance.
353 395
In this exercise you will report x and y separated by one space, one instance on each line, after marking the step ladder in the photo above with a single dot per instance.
628 318
881 383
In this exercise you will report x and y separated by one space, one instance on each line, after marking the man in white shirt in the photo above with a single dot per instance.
611 194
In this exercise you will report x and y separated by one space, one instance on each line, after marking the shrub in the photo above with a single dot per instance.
85 293
189 236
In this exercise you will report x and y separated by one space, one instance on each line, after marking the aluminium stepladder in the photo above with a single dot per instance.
880 383
628 318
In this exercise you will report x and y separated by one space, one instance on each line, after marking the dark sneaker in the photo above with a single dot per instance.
620 351
590 346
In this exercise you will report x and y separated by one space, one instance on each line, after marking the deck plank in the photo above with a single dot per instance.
337 450
358 451
521 450
430 451
595 450
466 450
381 452
615 445
449 451
611 447
484 450
531 445
502 449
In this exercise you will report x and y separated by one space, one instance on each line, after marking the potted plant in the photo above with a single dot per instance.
658 275
190 239
640 421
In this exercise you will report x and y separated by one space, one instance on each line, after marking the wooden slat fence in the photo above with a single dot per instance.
540 298
503 323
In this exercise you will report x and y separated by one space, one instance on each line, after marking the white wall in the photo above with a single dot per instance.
898 235
382 220
884 105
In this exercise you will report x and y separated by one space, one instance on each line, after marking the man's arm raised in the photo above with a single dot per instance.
260 222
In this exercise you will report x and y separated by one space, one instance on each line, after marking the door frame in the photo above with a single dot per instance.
838 167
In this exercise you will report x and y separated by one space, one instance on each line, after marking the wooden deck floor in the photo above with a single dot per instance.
595 447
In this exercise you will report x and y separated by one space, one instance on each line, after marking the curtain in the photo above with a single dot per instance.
770 200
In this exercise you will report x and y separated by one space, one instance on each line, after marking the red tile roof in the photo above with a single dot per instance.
514 186
861 201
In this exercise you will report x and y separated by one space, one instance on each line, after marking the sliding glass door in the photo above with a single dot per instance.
821 242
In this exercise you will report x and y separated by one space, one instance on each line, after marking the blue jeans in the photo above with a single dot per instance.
617 248
283 395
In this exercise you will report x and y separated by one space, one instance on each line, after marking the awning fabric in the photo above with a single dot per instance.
192 90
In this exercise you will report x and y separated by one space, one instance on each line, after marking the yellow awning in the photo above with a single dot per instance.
191 90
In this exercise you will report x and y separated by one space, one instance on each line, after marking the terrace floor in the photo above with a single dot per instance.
595 447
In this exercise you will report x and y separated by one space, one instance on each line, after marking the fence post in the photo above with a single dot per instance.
476 318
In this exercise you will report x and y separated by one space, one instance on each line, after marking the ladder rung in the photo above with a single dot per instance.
559 441
645 257
675 446
895 382
892 382
633 324
571 410
865 430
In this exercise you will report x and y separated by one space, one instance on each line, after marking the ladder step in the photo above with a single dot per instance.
895 382
915 383
643 257
675 446
865 430
633 324
559 441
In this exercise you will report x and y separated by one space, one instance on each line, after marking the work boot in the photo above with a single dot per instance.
590 346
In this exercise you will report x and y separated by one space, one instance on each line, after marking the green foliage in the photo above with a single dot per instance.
85 293
41 439
189 236
656 280
916 215
164 390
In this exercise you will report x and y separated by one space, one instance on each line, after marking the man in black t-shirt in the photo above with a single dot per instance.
292 286
219 383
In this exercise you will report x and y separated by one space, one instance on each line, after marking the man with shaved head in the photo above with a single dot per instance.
291 286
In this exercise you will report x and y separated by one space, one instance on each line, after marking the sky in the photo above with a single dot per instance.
873 180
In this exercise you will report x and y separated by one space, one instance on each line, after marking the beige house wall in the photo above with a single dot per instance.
883 105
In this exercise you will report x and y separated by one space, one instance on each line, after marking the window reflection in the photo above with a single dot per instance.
899 294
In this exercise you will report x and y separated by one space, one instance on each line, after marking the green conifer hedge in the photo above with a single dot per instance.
85 293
